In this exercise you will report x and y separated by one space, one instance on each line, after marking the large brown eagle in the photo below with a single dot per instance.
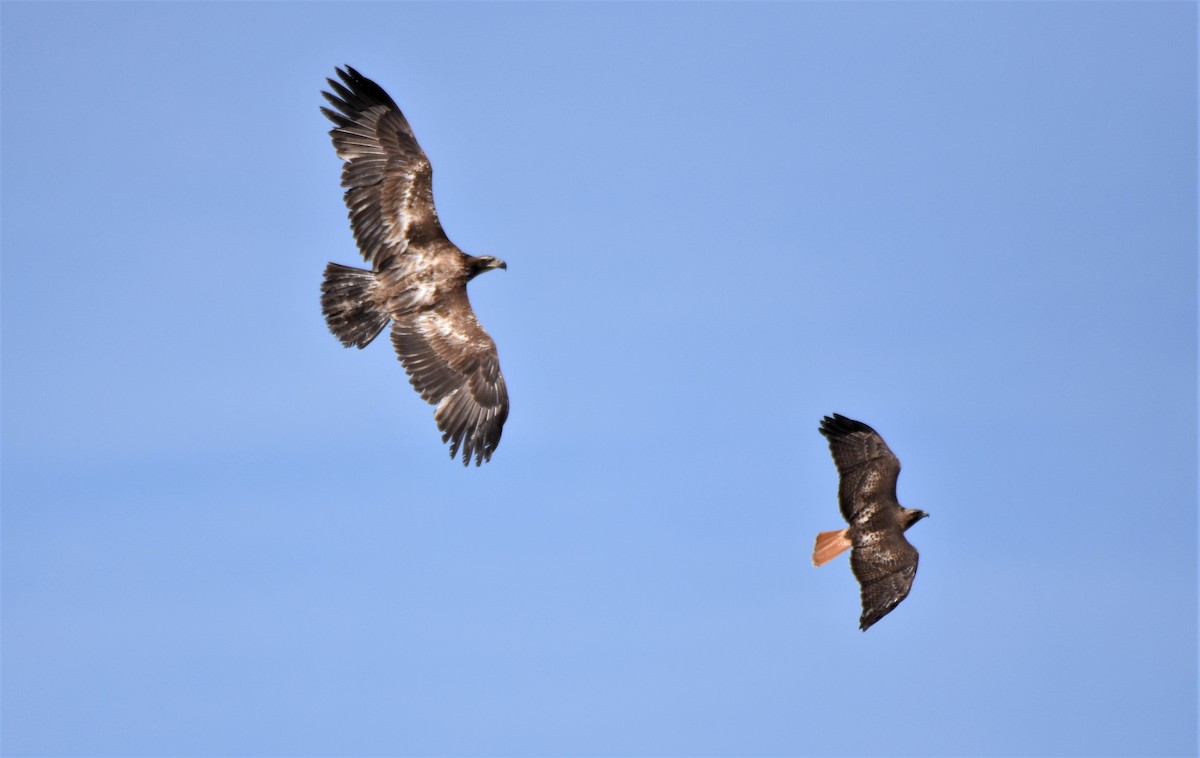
418 277
881 558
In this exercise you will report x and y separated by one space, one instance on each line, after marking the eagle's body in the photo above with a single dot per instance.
881 558
418 277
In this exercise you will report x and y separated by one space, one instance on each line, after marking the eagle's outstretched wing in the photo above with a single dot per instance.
388 179
452 362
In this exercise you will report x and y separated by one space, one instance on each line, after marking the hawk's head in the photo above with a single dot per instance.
912 516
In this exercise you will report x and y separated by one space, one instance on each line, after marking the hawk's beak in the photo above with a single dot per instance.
500 264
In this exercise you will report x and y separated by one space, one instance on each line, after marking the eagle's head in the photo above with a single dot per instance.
477 264
912 516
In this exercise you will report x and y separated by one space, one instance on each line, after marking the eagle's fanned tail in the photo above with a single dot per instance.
349 306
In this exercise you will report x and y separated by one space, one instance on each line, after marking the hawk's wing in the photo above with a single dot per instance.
388 180
452 363
867 468
885 565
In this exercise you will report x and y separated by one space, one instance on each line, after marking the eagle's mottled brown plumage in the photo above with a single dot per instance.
881 558
418 278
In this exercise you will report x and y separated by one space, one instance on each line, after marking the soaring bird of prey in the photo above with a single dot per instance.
881 558
418 277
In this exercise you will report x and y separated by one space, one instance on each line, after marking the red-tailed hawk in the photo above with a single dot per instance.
880 557
418 278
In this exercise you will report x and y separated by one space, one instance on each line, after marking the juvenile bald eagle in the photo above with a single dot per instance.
418 277
881 558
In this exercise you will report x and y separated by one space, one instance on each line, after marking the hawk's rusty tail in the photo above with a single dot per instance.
347 299
830 545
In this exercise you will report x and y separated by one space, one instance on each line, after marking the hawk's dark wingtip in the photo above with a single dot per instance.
841 426
868 619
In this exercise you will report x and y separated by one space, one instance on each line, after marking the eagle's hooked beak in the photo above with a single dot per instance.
499 264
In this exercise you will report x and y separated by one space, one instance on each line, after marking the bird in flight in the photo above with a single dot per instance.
418 278
881 558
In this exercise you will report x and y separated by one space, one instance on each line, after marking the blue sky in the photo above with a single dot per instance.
971 225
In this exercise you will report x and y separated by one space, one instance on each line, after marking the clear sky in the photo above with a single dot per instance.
970 225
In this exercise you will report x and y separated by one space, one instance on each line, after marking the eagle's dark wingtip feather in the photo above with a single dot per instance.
346 73
356 87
